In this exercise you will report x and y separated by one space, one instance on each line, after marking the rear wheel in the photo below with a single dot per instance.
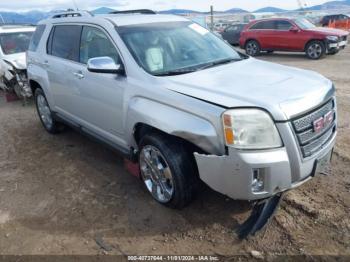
252 48
315 50
45 113
167 170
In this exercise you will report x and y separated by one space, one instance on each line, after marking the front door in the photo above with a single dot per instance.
100 102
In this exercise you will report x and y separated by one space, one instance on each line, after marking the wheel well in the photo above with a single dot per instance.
320 40
141 129
34 86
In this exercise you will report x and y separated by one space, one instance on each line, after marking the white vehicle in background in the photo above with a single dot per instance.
14 42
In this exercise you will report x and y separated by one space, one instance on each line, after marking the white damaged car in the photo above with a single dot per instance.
14 42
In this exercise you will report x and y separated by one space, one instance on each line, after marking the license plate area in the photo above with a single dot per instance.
323 163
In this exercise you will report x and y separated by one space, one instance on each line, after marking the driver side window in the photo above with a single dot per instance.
95 43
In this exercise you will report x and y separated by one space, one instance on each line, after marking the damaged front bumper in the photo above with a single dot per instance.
14 80
235 175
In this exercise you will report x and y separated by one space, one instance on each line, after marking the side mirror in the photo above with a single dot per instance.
294 29
105 65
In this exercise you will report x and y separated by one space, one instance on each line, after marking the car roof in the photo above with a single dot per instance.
133 19
117 19
16 28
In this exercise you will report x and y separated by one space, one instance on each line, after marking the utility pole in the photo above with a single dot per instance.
2 19
212 18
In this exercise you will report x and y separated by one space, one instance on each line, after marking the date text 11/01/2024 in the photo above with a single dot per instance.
173 258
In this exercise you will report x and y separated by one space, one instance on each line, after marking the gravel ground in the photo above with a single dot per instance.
68 195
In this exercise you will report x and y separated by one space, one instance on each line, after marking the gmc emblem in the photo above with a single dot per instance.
323 122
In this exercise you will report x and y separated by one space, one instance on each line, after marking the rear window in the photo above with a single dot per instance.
36 38
64 42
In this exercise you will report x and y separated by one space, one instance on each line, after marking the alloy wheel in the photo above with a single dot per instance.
44 111
252 48
156 174
315 50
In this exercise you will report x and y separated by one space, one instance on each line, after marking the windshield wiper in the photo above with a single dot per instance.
176 72
208 65
220 62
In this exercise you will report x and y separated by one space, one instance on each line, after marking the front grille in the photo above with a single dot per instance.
311 140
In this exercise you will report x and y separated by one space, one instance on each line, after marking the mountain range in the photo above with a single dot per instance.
33 17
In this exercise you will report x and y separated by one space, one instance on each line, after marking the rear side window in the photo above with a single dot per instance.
264 25
64 42
36 38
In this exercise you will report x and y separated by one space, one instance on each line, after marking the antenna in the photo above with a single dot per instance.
75 5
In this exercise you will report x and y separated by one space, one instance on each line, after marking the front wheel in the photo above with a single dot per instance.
252 48
315 50
167 170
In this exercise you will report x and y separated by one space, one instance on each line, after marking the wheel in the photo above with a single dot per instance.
252 48
45 114
315 50
167 170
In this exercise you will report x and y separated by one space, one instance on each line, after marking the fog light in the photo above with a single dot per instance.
258 180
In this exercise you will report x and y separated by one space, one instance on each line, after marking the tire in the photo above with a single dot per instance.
167 170
315 50
45 113
252 48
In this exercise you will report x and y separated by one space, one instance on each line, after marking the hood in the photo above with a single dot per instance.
329 31
17 60
283 91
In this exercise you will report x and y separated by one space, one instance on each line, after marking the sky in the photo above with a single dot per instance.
200 5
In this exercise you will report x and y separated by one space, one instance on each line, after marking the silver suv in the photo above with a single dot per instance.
182 105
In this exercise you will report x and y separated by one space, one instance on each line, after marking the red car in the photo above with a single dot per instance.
295 35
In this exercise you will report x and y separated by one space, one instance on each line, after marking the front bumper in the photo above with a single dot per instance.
332 46
282 169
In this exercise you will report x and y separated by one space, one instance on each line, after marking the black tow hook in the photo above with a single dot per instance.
261 215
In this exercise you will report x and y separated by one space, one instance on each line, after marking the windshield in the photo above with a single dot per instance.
303 23
182 47
12 43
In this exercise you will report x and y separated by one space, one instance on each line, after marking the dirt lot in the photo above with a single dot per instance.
63 194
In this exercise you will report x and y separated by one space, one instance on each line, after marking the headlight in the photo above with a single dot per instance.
333 38
250 129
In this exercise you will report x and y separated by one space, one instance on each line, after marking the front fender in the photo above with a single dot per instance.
172 121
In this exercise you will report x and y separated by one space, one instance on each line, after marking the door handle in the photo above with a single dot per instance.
79 75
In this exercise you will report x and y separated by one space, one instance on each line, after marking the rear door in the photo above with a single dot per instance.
263 32
61 61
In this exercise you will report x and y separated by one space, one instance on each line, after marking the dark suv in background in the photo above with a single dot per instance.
293 35
331 18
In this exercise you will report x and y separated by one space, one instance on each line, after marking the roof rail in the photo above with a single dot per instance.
16 24
136 11
72 14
